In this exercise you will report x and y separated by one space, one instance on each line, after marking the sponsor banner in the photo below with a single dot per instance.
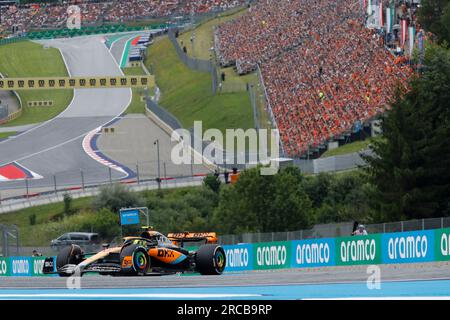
272 255
76 82
313 253
239 257
408 247
5 267
37 265
358 250
411 37
442 244
388 20
20 266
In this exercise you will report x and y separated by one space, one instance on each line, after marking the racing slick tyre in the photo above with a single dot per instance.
210 259
134 260
68 255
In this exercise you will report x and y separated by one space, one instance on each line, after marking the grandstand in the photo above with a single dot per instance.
34 16
323 70
325 74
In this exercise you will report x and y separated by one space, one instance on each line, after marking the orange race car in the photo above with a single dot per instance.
151 253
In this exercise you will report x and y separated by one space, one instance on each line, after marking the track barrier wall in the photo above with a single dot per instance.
387 248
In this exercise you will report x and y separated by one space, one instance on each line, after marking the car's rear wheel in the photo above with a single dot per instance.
210 259
68 255
134 260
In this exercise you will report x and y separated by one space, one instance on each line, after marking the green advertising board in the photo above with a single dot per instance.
272 255
4 267
358 250
37 263
442 245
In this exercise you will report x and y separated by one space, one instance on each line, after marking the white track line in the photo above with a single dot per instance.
131 295
91 153
386 298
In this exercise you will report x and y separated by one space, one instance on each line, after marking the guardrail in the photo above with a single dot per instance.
48 197
386 248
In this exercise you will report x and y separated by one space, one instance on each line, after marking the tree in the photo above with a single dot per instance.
318 187
213 182
116 197
106 223
434 16
410 166
259 203
67 198
349 198
183 210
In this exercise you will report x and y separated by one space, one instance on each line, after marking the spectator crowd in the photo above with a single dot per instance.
323 70
54 15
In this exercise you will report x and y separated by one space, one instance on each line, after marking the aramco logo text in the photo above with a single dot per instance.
237 258
271 256
358 250
314 253
408 247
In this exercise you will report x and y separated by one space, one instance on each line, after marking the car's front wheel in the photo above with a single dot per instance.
68 255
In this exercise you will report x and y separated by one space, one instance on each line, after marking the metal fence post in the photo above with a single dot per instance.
401 223
442 223
110 175
165 172
384 227
82 179
26 185
423 224
54 184
137 174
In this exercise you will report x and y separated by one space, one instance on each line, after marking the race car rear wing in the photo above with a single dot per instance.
180 238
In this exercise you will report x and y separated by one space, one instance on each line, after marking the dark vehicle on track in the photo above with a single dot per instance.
151 253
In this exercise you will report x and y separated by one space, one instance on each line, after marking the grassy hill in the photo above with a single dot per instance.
28 59
187 94
136 105
353 147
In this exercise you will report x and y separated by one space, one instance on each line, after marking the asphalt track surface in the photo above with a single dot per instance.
55 146
398 281
403 272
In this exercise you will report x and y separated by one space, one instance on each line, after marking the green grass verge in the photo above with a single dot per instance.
4 135
204 35
29 234
187 94
28 59
137 105
200 48
348 148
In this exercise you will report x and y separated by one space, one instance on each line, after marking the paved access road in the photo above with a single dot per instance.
55 147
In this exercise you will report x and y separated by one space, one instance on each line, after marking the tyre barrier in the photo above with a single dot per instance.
387 248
